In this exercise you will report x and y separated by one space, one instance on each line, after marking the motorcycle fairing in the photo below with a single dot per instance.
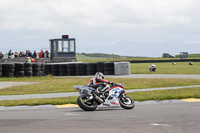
112 99
84 90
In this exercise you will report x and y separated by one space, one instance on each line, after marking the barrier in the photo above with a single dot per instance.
56 69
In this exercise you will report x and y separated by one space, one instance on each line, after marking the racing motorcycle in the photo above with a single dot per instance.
104 95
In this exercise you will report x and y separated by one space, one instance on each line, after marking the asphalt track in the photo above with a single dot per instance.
151 118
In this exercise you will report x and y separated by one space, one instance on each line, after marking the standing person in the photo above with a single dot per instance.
23 54
43 54
1 55
47 54
29 54
12 56
26 53
34 54
9 53
16 54
40 54
20 54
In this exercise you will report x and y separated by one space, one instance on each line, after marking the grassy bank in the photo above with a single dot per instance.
137 96
57 85
166 68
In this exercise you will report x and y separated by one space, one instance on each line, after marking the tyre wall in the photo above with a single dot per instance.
55 70
109 68
41 73
28 71
19 70
79 69
67 69
0 70
8 70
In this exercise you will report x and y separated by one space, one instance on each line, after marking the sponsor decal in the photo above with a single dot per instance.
116 96
116 89
114 103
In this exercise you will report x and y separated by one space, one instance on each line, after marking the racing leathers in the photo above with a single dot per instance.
96 82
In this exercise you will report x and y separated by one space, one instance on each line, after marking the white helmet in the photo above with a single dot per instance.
99 75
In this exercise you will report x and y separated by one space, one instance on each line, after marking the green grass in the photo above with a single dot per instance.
166 68
45 101
166 94
91 59
137 96
58 85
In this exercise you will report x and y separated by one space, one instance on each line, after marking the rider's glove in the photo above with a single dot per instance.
113 84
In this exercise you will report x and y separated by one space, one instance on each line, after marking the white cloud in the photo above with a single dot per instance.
44 14
102 21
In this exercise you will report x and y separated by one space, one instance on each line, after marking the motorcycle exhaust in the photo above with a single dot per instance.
98 99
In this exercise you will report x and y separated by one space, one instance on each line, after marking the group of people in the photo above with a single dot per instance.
41 54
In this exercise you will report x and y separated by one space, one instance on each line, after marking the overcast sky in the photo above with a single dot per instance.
124 27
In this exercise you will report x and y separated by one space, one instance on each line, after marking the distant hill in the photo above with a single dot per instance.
101 56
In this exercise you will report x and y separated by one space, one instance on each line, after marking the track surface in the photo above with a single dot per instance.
151 118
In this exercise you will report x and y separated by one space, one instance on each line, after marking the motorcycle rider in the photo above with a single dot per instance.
98 80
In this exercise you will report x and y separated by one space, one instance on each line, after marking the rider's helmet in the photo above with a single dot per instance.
99 75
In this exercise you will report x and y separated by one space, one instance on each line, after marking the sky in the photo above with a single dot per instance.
125 27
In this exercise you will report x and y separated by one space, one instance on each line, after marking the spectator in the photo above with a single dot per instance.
28 60
9 53
34 54
26 53
1 55
12 56
16 55
190 63
20 54
23 54
29 54
47 54
41 54
32 60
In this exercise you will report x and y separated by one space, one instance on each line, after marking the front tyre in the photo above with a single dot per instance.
87 106
126 102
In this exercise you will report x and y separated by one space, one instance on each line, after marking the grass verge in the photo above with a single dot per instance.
59 85
166 94
137 96
166 68
45 101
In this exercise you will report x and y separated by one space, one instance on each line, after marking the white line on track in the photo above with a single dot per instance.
156 124
71 114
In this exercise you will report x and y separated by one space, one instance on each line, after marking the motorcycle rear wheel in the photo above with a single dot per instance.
126 102
87 106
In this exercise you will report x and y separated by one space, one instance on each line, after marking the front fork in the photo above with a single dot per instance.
123 97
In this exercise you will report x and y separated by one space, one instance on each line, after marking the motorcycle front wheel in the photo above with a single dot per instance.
85 105
126 102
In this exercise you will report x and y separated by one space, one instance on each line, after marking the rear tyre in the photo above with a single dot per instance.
126 102
87 106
